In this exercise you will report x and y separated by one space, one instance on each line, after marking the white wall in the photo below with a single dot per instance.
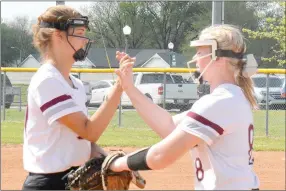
82 64
156 62
31 62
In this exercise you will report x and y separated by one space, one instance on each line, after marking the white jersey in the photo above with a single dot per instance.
49 146
224 121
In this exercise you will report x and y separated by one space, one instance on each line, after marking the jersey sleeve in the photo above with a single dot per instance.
54 99
204 120
179 117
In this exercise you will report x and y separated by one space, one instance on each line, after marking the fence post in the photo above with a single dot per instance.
267 105
0 95
4 95
20 97
164 91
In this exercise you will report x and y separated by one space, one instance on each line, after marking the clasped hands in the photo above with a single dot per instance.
125 73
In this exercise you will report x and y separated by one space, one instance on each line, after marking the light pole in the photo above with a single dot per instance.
60 2
126 32
171 47
13 47
217 12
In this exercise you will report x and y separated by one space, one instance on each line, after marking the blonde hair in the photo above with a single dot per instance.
42 36
229 37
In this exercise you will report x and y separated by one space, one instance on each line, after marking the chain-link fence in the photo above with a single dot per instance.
176 92
154 47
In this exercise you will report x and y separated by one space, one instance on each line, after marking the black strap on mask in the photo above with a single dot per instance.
228 53
64 25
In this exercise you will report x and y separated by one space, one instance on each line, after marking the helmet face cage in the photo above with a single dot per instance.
72 23
249 69
82 37
215 51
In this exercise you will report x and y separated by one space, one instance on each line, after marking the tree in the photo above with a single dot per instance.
24 36
171 20
7 39
273 28
108 20
16 34
236 13
154 24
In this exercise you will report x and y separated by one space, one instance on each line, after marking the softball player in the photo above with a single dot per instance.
59 136
217 130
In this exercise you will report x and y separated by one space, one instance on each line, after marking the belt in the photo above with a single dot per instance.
54 174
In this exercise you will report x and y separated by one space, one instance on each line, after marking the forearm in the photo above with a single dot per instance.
160 155
154 116
102 117
155 160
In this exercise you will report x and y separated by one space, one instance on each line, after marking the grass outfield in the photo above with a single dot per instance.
134 132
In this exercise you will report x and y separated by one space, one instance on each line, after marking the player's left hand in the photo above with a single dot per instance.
119 55
125 74
123 59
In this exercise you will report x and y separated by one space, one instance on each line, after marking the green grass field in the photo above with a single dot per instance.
135 133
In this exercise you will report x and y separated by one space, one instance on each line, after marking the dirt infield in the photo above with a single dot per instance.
270 167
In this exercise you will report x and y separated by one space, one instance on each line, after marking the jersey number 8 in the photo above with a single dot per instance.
199 169
199 166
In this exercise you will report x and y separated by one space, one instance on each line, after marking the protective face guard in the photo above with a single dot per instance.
249 69
212 43
80 54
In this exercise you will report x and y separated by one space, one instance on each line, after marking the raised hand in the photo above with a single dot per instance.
124 72
119 55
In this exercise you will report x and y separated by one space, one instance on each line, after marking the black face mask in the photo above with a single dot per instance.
80 55
196 76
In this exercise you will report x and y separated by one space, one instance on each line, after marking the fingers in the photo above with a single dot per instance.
124 70
119 55
127 62
123 58
125 65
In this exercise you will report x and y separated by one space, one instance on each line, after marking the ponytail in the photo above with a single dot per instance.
245 83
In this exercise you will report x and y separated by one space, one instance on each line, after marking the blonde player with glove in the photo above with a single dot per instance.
218 130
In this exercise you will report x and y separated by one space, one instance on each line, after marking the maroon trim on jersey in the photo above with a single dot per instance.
54 102
206 122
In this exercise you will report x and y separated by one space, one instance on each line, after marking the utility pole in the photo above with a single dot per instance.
217 12
60 2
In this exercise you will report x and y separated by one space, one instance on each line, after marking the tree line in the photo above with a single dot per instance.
155 24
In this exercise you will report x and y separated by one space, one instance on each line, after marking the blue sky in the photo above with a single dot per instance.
11 9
